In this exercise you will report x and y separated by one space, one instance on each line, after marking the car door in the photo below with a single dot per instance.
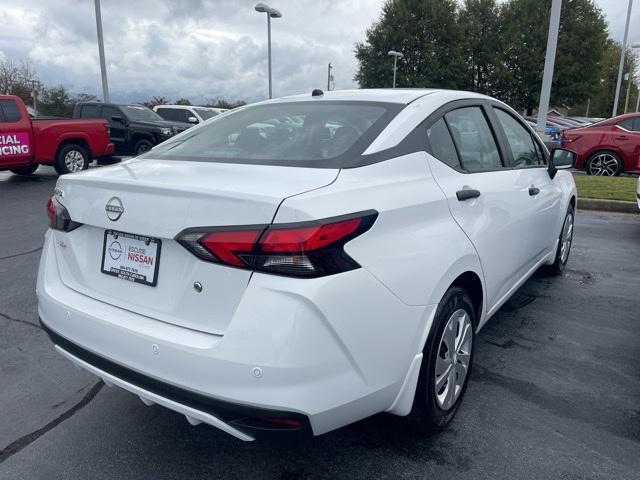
117 129
16 137
626 134
482 194
526 156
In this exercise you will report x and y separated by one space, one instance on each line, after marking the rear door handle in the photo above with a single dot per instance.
533 191
467 194
621 137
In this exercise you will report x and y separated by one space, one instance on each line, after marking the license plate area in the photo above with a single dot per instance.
135 258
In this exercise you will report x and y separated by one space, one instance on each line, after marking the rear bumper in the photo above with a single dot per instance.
326 352
243 422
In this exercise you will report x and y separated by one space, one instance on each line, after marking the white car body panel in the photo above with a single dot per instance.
336 348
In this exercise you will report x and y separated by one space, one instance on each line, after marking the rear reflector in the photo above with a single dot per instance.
309 249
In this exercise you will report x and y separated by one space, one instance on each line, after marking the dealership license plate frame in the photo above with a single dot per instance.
140 238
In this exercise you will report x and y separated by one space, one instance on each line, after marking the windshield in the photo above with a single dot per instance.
310 134
140 113
205 113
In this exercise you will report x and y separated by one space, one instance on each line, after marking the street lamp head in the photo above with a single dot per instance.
262 8
275 13
393 53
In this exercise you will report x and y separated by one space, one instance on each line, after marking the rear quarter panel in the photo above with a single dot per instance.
49 134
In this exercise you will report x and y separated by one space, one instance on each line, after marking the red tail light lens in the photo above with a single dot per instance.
59 218
309 249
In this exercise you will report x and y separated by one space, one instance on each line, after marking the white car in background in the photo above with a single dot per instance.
298 278
187 113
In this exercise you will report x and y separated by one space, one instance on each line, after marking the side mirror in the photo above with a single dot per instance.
561 159
192 120
117 118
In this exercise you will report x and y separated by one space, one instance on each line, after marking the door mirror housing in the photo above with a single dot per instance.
192 119
561 159
118 119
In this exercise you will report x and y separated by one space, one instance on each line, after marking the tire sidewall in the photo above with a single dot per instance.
26 170
558 265
60 165
613 154
426 412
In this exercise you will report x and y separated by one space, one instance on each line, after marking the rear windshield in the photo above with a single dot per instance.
304 134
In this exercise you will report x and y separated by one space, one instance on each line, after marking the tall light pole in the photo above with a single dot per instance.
396 56
103 66
549 63
271 13
634 46
622 53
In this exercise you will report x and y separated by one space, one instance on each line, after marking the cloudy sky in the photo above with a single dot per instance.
201 49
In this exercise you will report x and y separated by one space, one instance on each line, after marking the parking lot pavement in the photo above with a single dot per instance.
554 391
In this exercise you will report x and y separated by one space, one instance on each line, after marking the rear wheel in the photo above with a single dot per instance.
446 363
27 170
606 164
71 158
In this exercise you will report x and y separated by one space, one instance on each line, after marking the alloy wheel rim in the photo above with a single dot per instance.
74 161
604 164
453 358
567 238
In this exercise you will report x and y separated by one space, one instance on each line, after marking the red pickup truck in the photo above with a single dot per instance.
70 145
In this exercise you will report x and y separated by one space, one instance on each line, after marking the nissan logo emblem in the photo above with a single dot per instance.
114 209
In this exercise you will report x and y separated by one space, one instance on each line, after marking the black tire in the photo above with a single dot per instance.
560 261
71 158
27 170
143 145
427 415
601 164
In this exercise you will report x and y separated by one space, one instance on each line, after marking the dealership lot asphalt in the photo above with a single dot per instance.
555 390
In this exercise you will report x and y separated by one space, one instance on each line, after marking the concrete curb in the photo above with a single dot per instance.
608 205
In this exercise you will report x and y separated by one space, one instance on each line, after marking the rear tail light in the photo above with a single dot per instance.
59 218
309 249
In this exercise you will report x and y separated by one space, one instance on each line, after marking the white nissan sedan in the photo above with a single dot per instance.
299 264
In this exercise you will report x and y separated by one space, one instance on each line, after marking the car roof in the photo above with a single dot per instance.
387 95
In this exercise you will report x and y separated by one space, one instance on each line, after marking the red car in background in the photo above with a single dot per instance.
68 145
609 147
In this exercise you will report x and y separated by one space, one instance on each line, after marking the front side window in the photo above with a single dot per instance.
441 143
631 124
109 112
11 110
473 137
314 134
520 140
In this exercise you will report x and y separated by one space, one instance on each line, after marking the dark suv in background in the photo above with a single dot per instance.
134 128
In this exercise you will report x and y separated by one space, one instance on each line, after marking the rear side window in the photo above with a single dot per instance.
520 140
631 124
329 134
10 110
441 143
89 111
472 135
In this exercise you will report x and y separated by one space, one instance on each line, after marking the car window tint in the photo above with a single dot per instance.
108 112
296 133
636 124
474 139
520 141
441 144
89 111
627 124
10 109
169 113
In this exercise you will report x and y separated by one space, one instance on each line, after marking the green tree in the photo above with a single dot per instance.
183 101
481 45
581 43
55 101
426 32
221 103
